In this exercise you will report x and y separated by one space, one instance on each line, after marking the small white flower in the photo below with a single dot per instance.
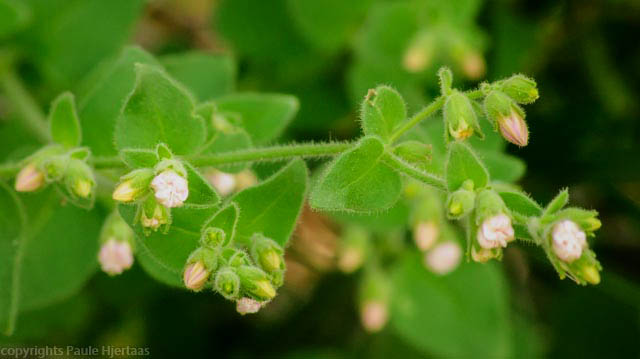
246 305
568 240
225 183
115 256
425 235
171 189
374 316
495 232
444 258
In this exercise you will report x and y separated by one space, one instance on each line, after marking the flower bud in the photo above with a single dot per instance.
154 215
520 88
459 116
473 65
170 188
29 179
227 283
508 117
374 315
591 274
495 232
444 258
245 179
235 257
79 178
213 237
223 182
267 253
115 256
353 249
425 234
414 152
55 167
460 203
374 294
568 240
115 227
133 185
247 305
256 282
195 276
419 55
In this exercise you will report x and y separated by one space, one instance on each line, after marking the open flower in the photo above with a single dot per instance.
568 240
170 189
495 232
115 256
444 258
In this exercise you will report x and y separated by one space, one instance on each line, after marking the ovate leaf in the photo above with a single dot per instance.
138 158
63 121
460 315
207 76
521 203
463 164
358 181
503 167
273 206
159 111
264 116
12 226
105 92
382 110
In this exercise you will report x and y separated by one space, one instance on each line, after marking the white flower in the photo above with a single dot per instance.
425 235
225 183
171 189
444 258
495 232
374 315
246 305
568 240
115 256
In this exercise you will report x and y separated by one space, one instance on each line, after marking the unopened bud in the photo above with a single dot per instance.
459 116
29 179
460 203
507 116
115 256
79 178
568 240
419 54
591 274
520 88
195 276
154 215
247 305
214 237
223 182
133 185
353 248
591 224
374 315
444 258
267 253
514 129
495 231
256 282
425 234
170 188
473 65
227 283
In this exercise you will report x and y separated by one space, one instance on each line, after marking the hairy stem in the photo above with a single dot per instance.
403 167
25 105
418 117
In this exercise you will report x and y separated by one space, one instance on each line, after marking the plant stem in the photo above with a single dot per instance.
427 178
418 117
25 105
276 153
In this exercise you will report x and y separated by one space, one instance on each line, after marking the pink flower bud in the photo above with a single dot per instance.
248 306
568 240
171 189
514 129
495 232
374 315
425 235
195 276
223 182
350 259
444 258
115 256
29 179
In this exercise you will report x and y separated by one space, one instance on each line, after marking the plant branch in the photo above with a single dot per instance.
25 105
418 117
403 167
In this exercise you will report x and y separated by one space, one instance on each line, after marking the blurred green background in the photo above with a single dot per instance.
585 135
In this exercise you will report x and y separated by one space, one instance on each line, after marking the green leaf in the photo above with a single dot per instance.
163 256
63 121
227 220
358 181
159 110
503 167
13 16
207 76
273 206
264 116
556 204
463 164
461 315
105 91
382 110
138 158
519 202
12 226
